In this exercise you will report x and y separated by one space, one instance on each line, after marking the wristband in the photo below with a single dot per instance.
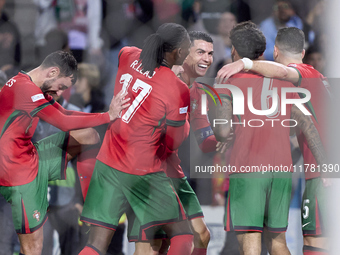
248 64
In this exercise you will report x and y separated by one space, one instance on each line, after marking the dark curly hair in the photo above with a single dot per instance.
248 40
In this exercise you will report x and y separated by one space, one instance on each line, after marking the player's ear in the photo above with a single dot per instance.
233 50
179 53
53 72
275 52
303 53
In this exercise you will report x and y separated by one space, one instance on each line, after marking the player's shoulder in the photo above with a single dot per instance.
306 71
22 82
244 78
128 50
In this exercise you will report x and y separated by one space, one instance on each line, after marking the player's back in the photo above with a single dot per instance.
319 88
20 99
134 143
260 140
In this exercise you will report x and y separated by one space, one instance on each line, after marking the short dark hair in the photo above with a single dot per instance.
290 39
199 35
65 61
168 37
248 40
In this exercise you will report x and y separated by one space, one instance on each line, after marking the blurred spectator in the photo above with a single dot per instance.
55 40
212 10
8 236
222 43
283 16
45 22
10 50
3 79
87 96
316 16
135 19
81 19
315 58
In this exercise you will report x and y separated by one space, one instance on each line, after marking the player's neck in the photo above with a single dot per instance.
186 78
35 76
288 60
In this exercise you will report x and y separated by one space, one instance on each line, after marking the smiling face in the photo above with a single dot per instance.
199 59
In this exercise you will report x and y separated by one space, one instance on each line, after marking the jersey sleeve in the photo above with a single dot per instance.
69 112
177 105
65 122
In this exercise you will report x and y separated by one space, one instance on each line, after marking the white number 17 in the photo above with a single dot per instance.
138 85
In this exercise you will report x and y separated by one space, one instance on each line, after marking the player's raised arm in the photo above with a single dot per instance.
266 68
221 125
305 124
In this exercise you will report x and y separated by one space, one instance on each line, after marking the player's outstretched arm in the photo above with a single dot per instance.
221 125
57 118
268 69
306 125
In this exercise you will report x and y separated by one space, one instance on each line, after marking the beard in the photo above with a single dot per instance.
46 86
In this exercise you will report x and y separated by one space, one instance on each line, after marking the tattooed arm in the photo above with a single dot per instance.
221 123
305 124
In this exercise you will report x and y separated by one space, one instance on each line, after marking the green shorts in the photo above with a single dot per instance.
29 201
151 197
258 200
313 214
189 201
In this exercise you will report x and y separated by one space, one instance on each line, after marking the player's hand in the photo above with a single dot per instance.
178 70
118 103
326 182
228 70
222 147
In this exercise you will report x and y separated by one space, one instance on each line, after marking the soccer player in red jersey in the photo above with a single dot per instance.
195 65
26 168
257 204
289 52
131 163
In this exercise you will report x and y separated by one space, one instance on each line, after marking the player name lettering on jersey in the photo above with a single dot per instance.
137 67
37 97
10 82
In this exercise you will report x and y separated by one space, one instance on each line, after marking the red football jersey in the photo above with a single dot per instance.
22 103
261 142
134 143
318 86
199 124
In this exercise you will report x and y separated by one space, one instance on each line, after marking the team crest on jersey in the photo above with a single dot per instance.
36 215
193 106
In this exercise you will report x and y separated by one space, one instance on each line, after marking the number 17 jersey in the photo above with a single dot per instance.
134 143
